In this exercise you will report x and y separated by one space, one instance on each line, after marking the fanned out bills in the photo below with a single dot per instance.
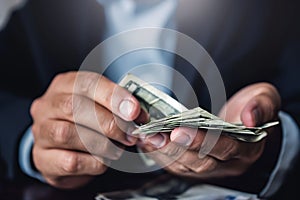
166 114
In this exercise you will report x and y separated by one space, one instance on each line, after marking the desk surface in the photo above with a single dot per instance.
35 190
165 187
39 191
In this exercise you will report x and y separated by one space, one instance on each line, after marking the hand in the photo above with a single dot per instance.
74 125
179 152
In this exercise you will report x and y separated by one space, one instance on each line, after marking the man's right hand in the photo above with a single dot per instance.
74 123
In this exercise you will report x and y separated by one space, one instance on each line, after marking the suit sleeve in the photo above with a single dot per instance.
288 85
18 85
14 118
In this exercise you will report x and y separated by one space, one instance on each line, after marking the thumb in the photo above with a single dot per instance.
260 109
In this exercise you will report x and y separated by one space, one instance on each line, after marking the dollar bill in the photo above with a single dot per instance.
157 103
166 114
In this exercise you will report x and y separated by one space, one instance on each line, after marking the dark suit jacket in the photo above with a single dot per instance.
250 41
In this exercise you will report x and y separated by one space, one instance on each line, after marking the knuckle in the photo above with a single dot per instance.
77 102
207 165
270 90
99 167
173 151
64 76
70 163
87 83
177 169
181 169
61 133
59 78
67 105
230 151
268 87
70 104
110 127
35 106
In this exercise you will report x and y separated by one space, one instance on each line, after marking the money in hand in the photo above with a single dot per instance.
167 114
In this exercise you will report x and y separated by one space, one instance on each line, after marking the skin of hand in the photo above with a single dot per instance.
80 110
179 152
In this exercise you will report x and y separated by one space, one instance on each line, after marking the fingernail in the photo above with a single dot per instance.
181 138
157 140
126 107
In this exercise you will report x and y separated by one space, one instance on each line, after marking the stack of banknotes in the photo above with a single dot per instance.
166 114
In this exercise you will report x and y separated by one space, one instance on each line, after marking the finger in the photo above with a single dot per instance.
186 136
143 117
258 110
206 167
65 135
165 145
86 113
190 165
167 162
160 143
99 89
226 148
59 162
250 94
157 140
160 158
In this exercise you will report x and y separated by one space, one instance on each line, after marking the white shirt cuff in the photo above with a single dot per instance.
289 150
25 156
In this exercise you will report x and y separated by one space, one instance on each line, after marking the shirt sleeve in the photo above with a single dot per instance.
25 149
289 151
